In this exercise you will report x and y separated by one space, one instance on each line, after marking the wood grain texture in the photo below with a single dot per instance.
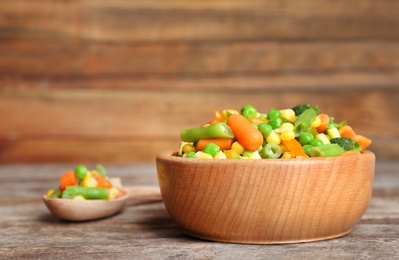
146 231
106 125
118 80
195 20
266 201
87 59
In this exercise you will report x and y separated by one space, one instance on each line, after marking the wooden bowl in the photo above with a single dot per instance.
267 201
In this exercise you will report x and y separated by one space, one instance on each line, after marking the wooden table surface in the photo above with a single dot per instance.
145 231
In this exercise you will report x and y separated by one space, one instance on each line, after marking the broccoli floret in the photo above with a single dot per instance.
347 143
298 109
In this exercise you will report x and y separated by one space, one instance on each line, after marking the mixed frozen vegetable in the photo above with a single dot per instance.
84 184
299 132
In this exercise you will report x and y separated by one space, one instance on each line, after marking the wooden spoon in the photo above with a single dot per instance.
82 210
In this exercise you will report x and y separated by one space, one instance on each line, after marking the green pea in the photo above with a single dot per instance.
249 112
307 148
246 153
211 149
275 122
81 172
190 155
316 142
265 129
273 113
305 138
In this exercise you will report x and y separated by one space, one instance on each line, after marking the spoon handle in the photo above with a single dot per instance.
143 194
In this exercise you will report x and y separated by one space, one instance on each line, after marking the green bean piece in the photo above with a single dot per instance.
270 151
303 121
218 130
265 129
312 130
87 192
211 149
249 112
81 172
326 150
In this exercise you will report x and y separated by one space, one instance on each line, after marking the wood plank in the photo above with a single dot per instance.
74 124
147 231
198 20
84 151
339 81
120 114
49 59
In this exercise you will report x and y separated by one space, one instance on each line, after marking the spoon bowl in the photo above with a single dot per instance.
83 210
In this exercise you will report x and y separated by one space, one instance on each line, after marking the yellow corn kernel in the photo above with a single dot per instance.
93 173
333 133
79 197
274 137
202 155
49 193
286 127
255 156
288 114
182 144
230 112
286 155
286 136
187 148
220 155
323 138
236 146
89 181
232 154
113 193
316 122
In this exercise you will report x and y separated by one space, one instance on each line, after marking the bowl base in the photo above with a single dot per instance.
267 242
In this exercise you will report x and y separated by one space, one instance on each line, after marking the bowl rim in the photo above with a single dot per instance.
170 156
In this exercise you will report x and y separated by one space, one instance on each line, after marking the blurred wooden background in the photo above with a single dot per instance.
116 81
